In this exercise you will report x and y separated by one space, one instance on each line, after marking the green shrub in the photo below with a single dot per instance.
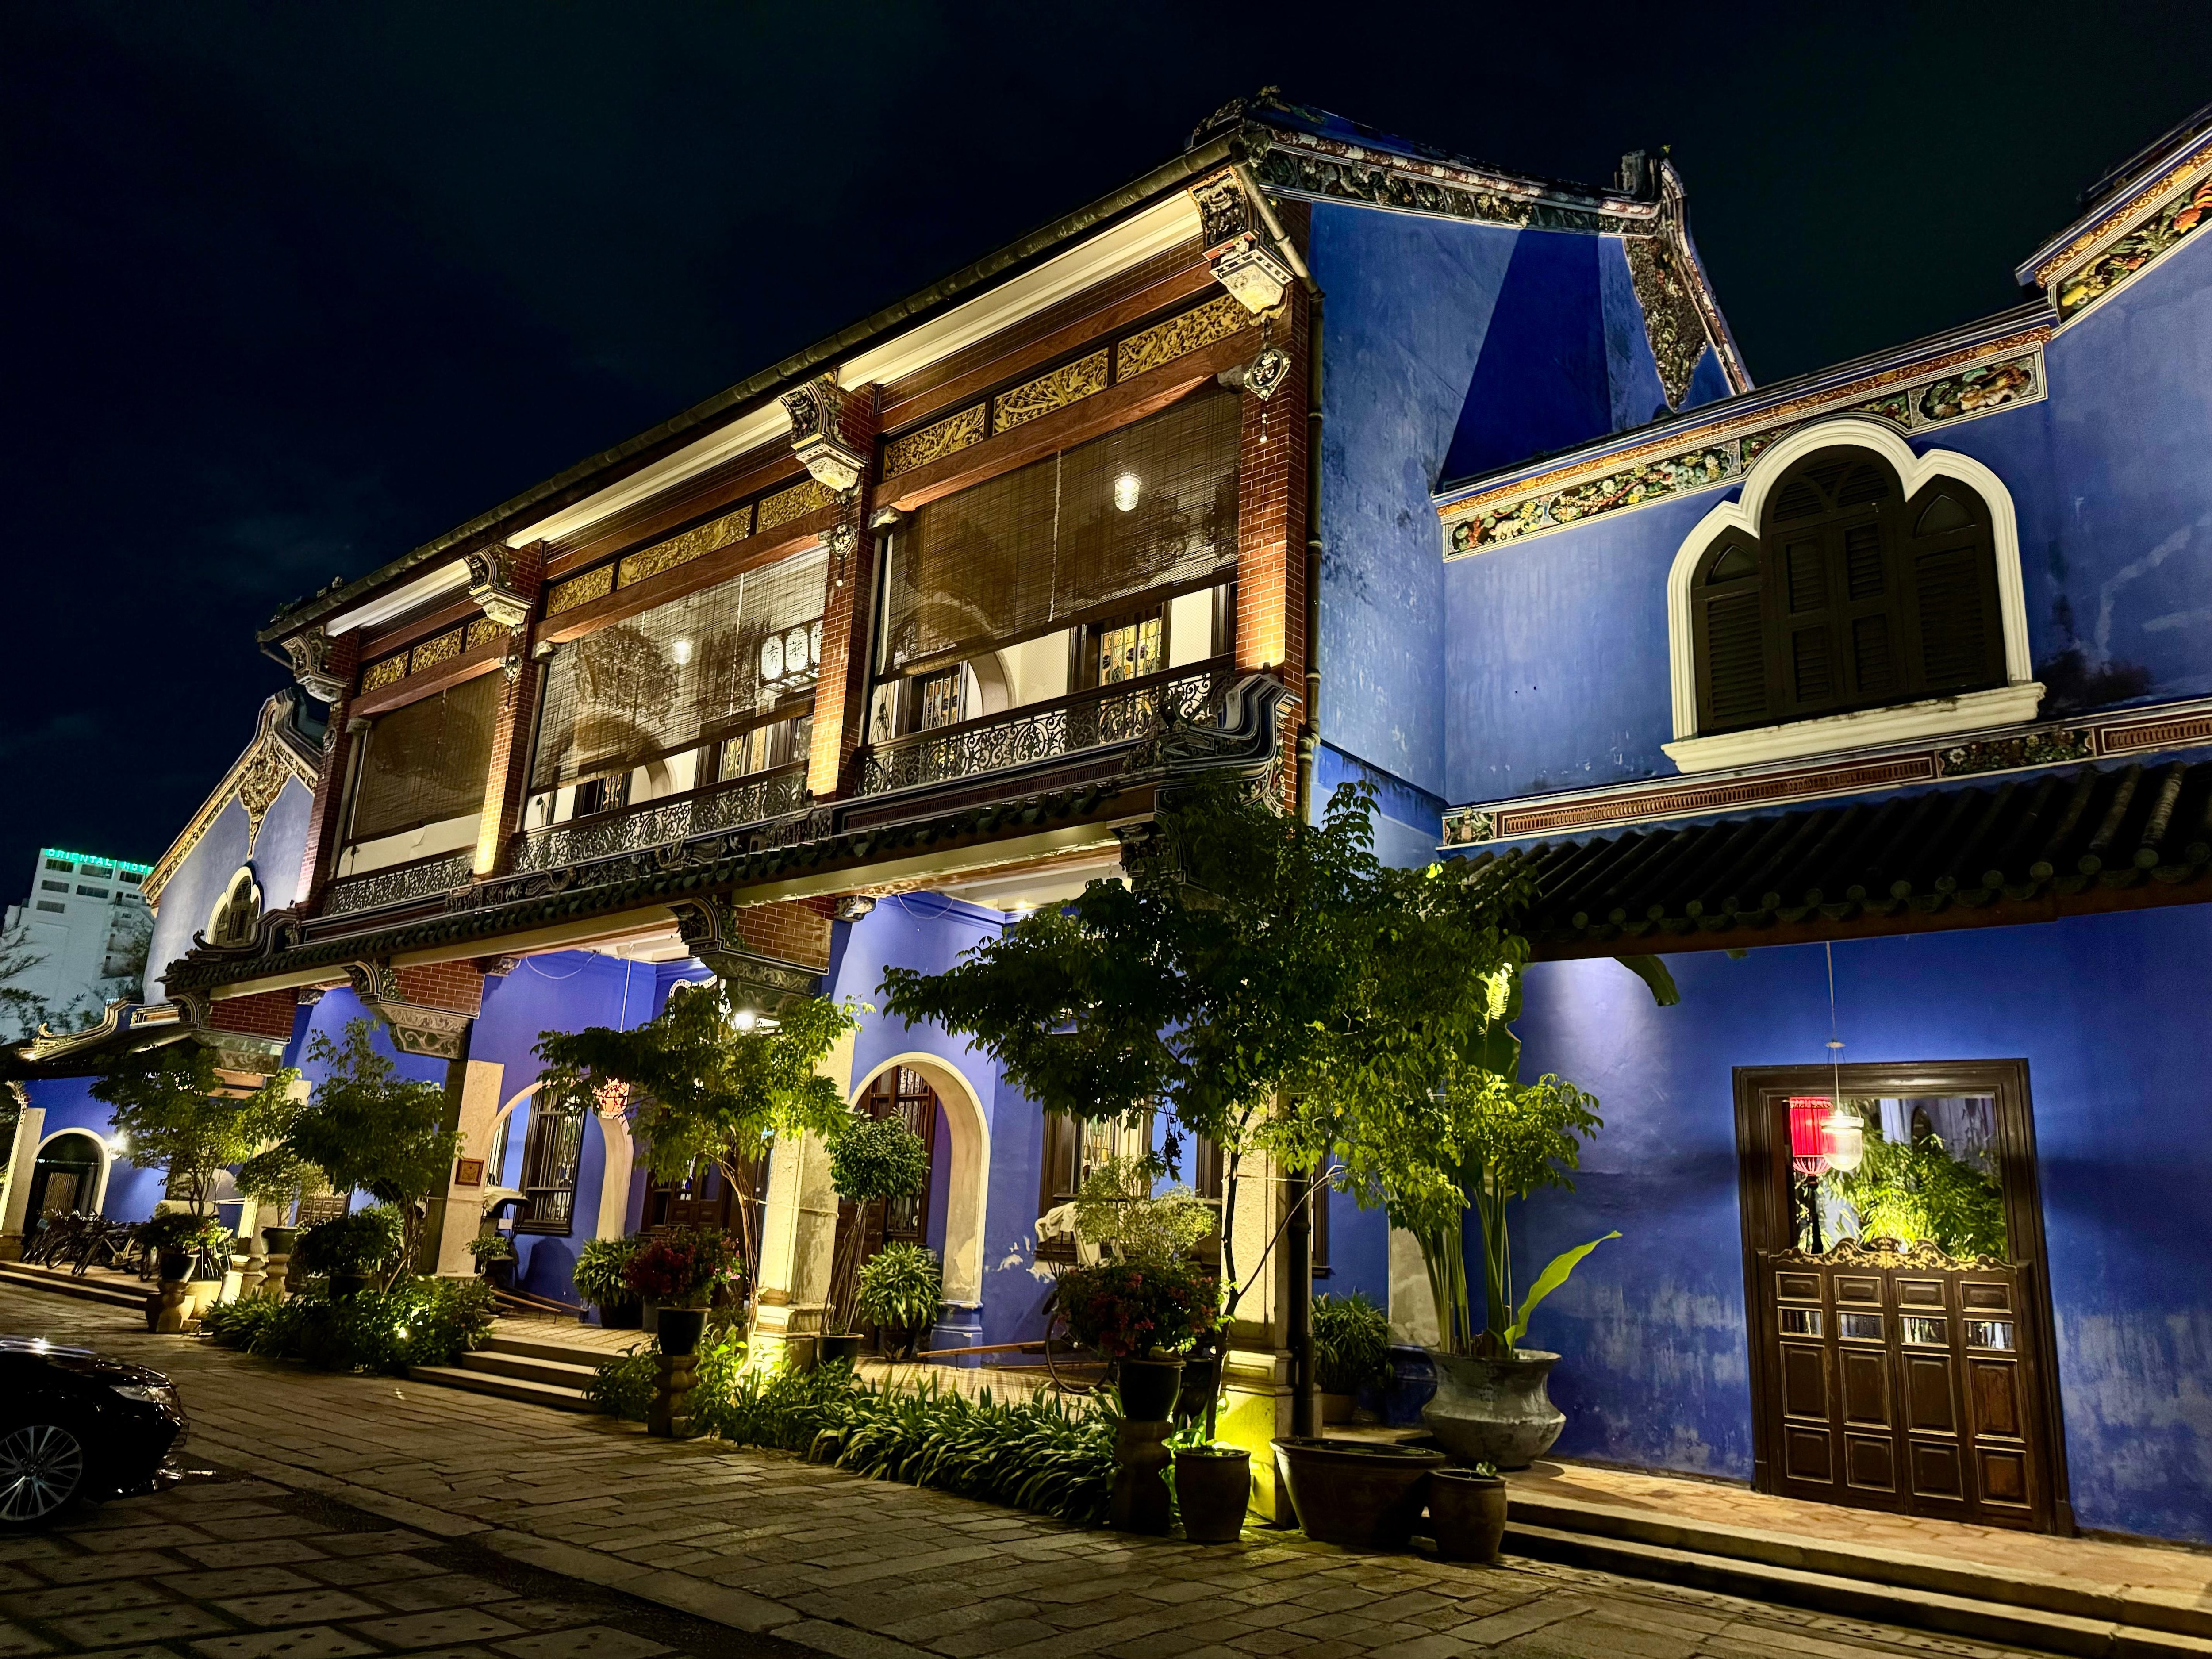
364 1241
419 1321
900 1285
877 1158
1352 1342
491 1247
598 1276
1124 1309
623 1385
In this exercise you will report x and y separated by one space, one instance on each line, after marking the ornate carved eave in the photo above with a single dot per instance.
494 586
818 433
436 1033
1240 245
310 655
279 753
709 927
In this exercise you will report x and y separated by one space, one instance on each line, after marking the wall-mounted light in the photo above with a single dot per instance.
681 651
1126 489
746 1019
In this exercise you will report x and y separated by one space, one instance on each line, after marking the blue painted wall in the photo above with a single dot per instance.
133 1192
1555 664
189 897
1653 1330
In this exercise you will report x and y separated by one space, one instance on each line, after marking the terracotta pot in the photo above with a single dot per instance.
680 1329
1335 1407
845 1347
344 1285
1467 1514
1214 1489
1493 1411
1148 1389
1362 1496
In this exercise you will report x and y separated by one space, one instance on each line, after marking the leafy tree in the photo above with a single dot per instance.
699 1086
174 1109
1915 1190
366 1127
872 1161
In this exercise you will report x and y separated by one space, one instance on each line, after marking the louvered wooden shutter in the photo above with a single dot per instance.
1950 552
1733 689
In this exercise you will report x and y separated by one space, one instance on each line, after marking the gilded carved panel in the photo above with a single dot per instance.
693 544
1162 343
796 503
1070 383
482 631
432 652
933 442
390 671
580 590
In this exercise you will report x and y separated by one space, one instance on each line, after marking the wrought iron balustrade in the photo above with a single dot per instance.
1128 713
400 885
659 824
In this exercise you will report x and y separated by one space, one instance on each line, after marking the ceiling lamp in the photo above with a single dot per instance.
1843 1139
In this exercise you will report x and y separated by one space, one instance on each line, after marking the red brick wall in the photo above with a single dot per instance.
794 929
329 785
265 1013
840 695
1270 566
506 777
455 987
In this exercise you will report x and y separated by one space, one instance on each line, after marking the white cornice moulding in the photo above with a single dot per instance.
447 578
1165 224
1937 717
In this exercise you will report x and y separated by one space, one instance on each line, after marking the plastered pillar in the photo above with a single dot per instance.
618 1159
16 1196
799 1231
461 1215
1413 1307
1256 1399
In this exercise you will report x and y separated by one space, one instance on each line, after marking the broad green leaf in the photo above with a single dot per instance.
1554 1275
1653 972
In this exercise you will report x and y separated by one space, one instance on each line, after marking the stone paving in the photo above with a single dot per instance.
752 1542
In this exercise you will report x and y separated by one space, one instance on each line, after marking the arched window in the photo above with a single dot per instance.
1853 594
237 912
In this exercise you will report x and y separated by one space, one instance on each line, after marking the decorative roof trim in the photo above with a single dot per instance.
279 753
1996 374
2115 217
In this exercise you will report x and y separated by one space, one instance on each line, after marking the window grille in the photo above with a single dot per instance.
1150 506
551 1149
427 762
662 681
1850 597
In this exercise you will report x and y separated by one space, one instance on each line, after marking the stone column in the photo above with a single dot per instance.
507 582
460 1213
618 1159
15 1193
1412 1309
799 1231
1256 1369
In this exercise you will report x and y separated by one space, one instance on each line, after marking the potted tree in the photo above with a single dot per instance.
350 1251
678 1272
899 1288
600 1283
873 1160
706 1079
495 1256
1352 1349
1142 1316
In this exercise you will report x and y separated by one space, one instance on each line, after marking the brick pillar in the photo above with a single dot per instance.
840 695
323 826
506 776
1271 523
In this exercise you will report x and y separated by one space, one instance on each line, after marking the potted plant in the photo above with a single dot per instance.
495 1256
1351 1350
1138 1314
1362 1496
599 1282
1466 1513
348 1249
1214 1489
873 1160
678 1272
899 1288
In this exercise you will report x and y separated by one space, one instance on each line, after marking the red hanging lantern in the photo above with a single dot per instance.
1808 1133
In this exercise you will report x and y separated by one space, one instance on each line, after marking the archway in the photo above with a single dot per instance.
70 1173
969 1169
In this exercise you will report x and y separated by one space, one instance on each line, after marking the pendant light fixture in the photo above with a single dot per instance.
1842 1138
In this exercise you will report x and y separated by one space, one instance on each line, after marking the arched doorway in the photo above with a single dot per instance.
960 1165
71 1173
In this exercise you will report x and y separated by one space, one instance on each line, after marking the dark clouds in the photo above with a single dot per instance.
295 288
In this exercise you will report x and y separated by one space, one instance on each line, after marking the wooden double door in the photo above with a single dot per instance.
1909 1375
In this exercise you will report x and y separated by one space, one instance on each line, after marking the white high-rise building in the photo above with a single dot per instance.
78 941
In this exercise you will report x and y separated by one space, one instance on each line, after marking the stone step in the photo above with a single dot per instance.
531 1347
1852 1595
560 1374
505 1387
2078 1597
62 1282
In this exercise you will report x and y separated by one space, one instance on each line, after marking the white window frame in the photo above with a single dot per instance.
2011 704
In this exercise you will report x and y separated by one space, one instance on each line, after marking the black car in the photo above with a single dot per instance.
74 1425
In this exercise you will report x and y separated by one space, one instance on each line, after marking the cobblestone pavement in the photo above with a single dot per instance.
760 1550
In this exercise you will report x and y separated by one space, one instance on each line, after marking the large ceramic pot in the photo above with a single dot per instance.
1494 1411
625 1315
680 1329
1201 1382
1149 1388
280 1240
1467 1514
1361 1495
175 1264
846 1346
1213 1488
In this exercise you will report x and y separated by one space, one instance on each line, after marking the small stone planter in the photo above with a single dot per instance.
1214 1489
1467 1514
1356 1493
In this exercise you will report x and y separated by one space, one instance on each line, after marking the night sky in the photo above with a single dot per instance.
298 287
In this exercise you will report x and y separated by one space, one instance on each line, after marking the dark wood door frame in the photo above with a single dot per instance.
1763 1187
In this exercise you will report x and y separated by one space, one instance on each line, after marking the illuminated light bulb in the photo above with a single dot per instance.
1126 489
683 652
1843 1139
400 1332
747 1019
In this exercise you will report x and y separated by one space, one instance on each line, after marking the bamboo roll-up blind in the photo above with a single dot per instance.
1145 507
660 682
427 762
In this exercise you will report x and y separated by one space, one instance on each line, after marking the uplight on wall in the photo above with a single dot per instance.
1126 490
681 651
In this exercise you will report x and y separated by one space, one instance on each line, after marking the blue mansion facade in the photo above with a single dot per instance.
1878 702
